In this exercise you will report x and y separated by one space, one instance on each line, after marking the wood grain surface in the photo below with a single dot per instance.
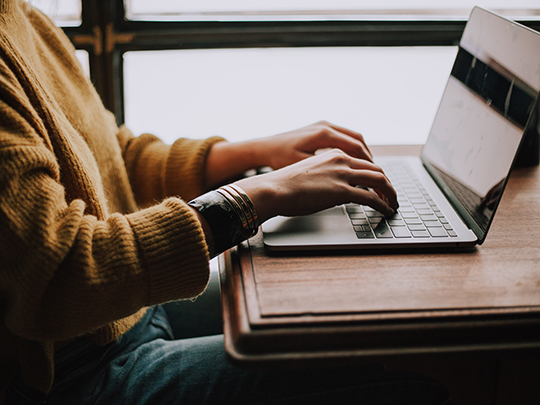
501 275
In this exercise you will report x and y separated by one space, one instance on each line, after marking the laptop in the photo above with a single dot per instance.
448 196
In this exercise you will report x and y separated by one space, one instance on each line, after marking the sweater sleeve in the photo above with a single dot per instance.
157 170
66 271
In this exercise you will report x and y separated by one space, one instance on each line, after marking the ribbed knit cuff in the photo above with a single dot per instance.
186 169
173 250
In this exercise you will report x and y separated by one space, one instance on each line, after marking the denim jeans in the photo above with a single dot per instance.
148 365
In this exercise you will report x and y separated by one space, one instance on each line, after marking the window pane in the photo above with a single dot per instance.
205 10
388 94
84 60
65 13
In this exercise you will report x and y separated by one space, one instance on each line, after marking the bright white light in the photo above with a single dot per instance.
388 94
65 13
167 9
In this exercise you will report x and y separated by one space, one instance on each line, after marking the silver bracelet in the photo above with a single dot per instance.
243 205
230 214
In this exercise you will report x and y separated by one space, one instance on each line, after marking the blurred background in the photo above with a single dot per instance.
244 68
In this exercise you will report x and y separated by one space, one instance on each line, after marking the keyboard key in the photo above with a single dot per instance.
401 232
357 215
359 221
354 208
365 235
418 215
362 228
396 222
437 232
420 234
409 215
383 231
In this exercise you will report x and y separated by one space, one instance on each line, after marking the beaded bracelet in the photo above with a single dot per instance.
230 214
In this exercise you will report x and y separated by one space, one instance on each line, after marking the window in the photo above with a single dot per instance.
242 68
388 94
65 13
294 10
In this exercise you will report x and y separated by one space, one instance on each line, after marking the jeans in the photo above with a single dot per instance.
148 365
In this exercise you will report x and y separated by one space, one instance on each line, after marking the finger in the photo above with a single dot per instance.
362 164
376 181
371 199
359 166
351 146
346 131
353 134
329 137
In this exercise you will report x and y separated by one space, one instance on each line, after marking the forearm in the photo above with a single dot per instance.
227 161
69 273
157 170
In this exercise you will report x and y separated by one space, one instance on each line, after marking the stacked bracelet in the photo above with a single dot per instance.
230 214
243 206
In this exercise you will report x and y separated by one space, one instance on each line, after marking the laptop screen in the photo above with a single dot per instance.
489 102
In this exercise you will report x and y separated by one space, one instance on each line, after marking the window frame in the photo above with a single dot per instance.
106 35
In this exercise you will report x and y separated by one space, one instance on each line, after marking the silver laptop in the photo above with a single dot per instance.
449 195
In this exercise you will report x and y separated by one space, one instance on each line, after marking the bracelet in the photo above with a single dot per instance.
230 214
244 206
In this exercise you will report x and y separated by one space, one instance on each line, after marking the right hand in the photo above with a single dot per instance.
320 182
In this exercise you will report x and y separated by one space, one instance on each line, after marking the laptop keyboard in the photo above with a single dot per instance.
417 217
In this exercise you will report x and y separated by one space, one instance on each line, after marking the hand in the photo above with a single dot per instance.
290 147
229 160
320 182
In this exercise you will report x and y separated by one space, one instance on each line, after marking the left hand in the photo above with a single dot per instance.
227 160
290 147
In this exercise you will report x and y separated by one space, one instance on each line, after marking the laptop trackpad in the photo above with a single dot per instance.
330 219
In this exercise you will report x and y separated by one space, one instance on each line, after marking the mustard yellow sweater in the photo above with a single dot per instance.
77 255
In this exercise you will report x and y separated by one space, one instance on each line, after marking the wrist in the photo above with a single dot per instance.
227 161
228 217
264 196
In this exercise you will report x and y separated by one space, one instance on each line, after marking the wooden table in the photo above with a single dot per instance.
336 307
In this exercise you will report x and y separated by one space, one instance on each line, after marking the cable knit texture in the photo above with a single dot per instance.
79 254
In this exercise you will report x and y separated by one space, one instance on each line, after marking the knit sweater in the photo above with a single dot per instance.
85 245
